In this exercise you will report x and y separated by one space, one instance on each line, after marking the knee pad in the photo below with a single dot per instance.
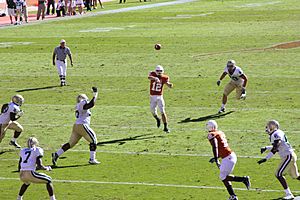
93 147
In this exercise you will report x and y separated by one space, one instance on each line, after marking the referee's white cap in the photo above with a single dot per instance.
62 41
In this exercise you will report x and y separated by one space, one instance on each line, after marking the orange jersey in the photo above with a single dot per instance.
223 147
156 88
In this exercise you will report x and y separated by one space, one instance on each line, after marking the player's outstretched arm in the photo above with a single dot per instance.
221 78
170 85
53 58
272 152
214 145
245 78
40 165
92 102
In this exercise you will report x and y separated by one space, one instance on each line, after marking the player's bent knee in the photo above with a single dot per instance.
93 147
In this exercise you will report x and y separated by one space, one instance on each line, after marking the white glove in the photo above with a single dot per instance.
20 113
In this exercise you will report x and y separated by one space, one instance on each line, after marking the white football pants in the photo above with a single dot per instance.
61 67
157 101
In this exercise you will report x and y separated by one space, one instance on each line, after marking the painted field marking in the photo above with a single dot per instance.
106 29
188 16
252 5
152 185
10 44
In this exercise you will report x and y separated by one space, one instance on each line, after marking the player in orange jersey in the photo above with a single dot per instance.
157 80
221 149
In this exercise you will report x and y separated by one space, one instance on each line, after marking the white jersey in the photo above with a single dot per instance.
5 115
29 156
284 148
83 116
236 75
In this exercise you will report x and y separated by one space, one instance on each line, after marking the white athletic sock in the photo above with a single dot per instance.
93 155
288 191
13 139
223 105
52 198
59 152
20 197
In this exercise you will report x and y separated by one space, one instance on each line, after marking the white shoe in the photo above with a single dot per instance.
287 197
94 162
233 198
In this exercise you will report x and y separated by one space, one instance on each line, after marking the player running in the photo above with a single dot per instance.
221 149
288 163
238 82
30 159
81 128
157 80
10 113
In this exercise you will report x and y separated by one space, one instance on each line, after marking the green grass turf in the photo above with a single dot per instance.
194 53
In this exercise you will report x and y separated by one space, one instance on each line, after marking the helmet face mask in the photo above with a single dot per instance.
81 97
32 142
272 126
18 99
159 70
211 125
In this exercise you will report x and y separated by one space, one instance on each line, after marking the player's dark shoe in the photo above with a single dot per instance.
222 110
166 130
157 122
15 144
54 159
247 182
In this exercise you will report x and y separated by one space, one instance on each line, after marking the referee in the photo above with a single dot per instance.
60 54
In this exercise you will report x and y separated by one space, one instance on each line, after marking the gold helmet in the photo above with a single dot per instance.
32 141
211 125
272 126
230 63
81 97
18 99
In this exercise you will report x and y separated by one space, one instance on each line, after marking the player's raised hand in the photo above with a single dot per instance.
261 161
219 82
95 92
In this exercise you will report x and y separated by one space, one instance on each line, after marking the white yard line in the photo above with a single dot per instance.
106 12
151 185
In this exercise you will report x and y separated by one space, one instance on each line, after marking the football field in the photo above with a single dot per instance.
113 49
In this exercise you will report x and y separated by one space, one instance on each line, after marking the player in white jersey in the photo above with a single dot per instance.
81 128
288 163
238 82
30 159
10 113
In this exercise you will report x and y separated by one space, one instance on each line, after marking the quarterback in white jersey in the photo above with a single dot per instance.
81 128
288 163
30 159
10 113
238 82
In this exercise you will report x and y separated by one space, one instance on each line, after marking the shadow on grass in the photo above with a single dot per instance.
124 140
38 88
6 151
200 119
69 166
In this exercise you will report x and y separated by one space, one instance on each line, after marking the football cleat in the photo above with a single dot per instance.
15 144
288 197
94 162
247 182
158 122
54 159
166 130
222 110
233 197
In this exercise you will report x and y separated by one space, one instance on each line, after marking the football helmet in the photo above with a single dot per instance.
230 63
32 141
211 125
18 99
159 70
272 126
81 97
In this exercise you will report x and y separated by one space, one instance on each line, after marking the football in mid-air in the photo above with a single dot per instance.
157 46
